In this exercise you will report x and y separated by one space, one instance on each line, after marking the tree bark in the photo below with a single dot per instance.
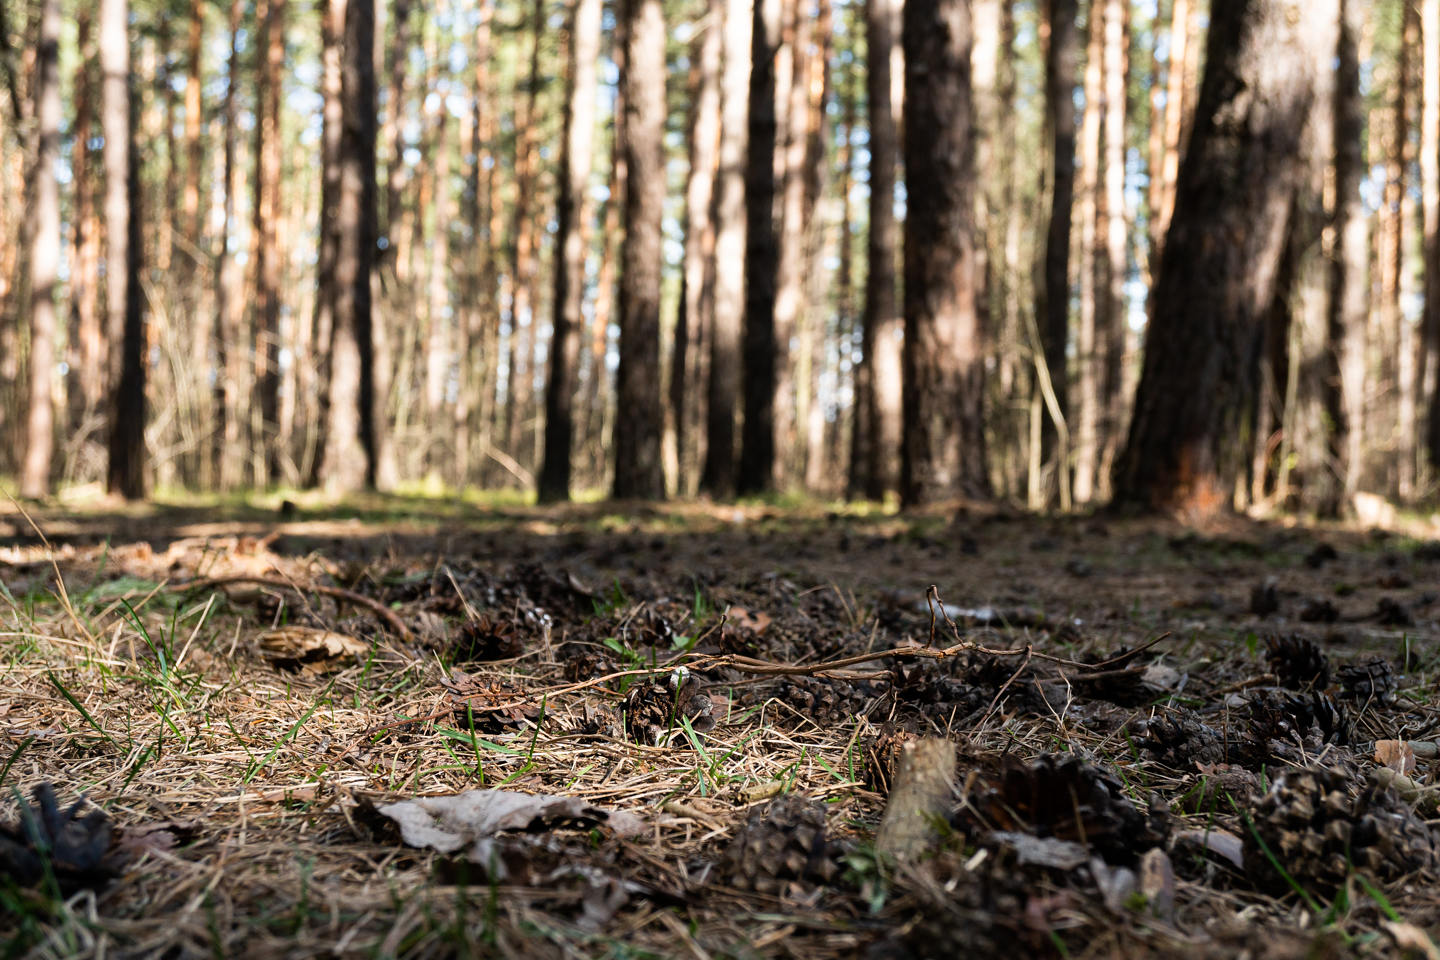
639 473
1427 346
332 27
756 473
694 324
269 69
1111 324
877 381
44 233
351 450
580 93
1190 433
943 454
1343 382
1052 307
718 476
1404 336
87 343
1181 60
1083 401
124 245
225 442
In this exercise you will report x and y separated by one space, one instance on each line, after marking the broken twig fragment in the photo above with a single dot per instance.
920 796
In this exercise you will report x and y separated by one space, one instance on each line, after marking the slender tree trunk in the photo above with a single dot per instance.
438 314
124 244
229 308
639 472
718 477
1112 323
809 414
878 401
1428 339
763 354
1181 61
1343 385
598 397
1405 372
580 92
1084 399
193 216
270 14
44 234
696 312
398 58
1052 306
87 342
841 463
1155 143
322 325
479 308
351 435
943 454
1189 437
522 261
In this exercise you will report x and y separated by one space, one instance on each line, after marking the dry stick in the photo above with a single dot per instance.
64 595
920 797
339 593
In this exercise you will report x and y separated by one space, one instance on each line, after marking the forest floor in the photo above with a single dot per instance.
1166 737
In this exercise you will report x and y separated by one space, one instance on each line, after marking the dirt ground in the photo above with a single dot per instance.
1168 741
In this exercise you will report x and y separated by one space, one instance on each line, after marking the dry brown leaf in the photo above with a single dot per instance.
469 821
743 619
1398 755
1411 940
1222 843
309 649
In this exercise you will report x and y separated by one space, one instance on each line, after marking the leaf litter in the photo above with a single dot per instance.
556 733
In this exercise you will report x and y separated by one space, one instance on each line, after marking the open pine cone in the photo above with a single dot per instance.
76 849
784 845
1316 832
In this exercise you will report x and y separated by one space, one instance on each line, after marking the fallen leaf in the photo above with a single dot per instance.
1411 940
469 821
1398 755
1043 851
309 649
1222 843
1157 883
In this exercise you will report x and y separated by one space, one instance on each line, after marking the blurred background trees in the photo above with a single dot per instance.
1037 249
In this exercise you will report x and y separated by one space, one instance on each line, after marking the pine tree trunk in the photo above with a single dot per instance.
44 237
581 88
87 340
478 310
350 455
229 306
1403 335
757 441
877 397
1189 437
639 472
269 69
1110 347
718 476
1344 355
693 326
1083 400
124 244
332 28
1428 339
1052 307
1176 107
943 454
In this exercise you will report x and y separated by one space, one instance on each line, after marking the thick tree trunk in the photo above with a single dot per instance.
718 476
44 233
1052 306
124 245
1190 434
1176 107
580 93
1343 384
693 326
639 419
351 453
1427 346
757 442
877 386
1404 336
943 454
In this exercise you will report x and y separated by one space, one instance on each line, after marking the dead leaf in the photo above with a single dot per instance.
1157 883
1411 940
1044 851
1398 755
469 821
745 620
308 649
1222 843
155 836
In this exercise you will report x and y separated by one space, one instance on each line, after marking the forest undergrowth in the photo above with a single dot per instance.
621 731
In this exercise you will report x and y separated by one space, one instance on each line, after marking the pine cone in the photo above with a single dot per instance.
782 846
487 639
822 700
654 709
1297 662
585 661
882 759
1179 739
74 848
1370 682
1314 830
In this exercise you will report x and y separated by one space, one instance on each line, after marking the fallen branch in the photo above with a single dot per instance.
339 593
